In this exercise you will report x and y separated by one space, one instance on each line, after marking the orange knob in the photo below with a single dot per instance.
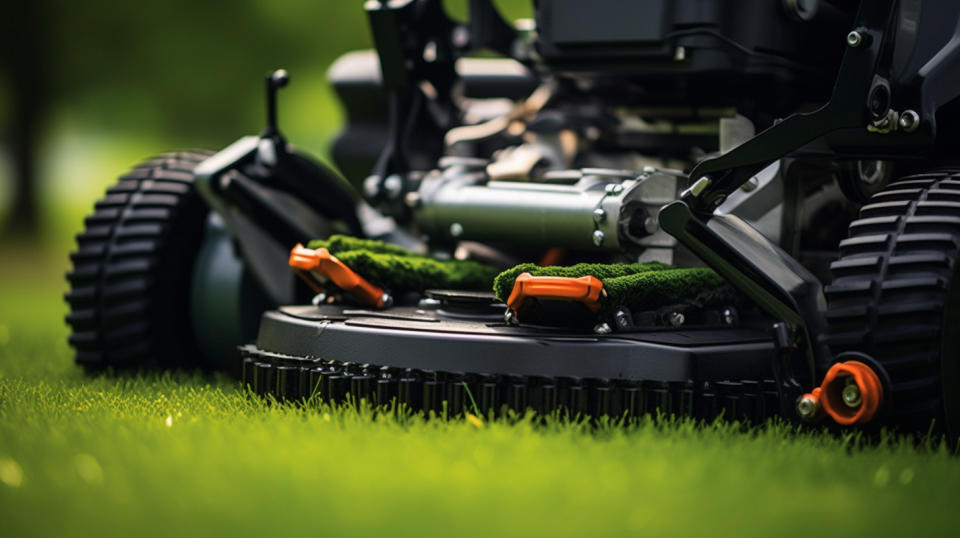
851 393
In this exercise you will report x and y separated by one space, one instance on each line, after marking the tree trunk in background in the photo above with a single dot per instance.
24 62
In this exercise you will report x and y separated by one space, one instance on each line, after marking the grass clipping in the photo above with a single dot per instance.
639 286
398 270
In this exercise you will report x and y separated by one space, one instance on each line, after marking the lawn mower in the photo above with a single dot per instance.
699 208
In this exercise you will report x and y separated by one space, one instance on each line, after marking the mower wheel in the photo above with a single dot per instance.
130 283
896 297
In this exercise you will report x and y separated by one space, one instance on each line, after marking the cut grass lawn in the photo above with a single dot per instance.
183 454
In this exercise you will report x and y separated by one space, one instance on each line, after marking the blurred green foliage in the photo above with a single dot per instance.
114 81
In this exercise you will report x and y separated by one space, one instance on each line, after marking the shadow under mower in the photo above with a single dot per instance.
740 208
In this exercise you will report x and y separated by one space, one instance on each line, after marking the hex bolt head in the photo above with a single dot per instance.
851 395
599 215
854 39
807 407
598 237
909 121
456 229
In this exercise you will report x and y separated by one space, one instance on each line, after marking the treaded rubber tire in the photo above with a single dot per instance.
130 283
893 296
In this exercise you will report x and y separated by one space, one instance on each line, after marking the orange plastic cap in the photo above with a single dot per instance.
869 392
586 289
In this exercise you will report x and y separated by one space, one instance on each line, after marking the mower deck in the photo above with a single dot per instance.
462 352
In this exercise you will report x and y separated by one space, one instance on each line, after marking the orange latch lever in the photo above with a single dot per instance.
328 267
586 289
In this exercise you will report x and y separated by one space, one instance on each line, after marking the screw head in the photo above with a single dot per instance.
909 121
456 229
598 237
854 39
599 215
387 300
851 394
807 407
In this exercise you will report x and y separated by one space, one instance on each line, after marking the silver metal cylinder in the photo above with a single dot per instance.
527 213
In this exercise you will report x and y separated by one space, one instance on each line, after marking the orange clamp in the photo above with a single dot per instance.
860 403
326 266
586 289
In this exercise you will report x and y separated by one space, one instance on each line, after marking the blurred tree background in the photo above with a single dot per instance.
89 88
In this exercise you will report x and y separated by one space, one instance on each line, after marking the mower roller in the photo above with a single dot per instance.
705 208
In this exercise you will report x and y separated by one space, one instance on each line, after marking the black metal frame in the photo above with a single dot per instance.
861 99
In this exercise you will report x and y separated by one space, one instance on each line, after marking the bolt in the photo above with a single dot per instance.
886 123
387 300
854 39
851 394
456 229
651 225
319 299
909 121
729 316
623 318
599 215
598 237
371 186
614 188
807 407
676 319
393 185
649 170
602 328
510 317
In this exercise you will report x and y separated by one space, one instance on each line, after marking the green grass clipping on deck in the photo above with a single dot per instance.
640 286
396 269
